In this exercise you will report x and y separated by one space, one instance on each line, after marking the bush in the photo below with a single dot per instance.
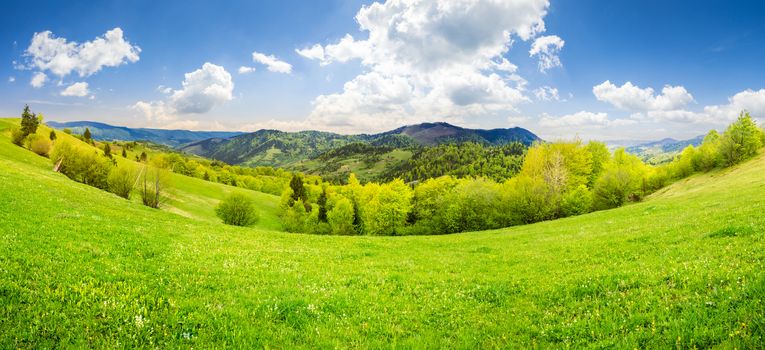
122 179
237 209
18 137
152 186
576 202
40 145
81 165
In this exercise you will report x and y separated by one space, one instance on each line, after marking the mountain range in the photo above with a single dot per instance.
106 132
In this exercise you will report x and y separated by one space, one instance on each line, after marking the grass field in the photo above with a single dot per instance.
80 267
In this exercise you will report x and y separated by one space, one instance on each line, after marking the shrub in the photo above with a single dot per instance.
40 145
52 135
576 202
237 209
81 165
152 185
122 179
18 137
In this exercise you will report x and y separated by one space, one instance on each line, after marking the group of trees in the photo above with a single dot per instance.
26 134
467 159
555 180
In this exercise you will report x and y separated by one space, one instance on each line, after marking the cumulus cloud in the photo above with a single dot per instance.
246 70
11 79
426 60
583 119
546 49
272 63
61 57
201 90
633 98
38 80
77 89
546 93
747 100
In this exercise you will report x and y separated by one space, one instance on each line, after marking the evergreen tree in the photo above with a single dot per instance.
107 150
86 135
323 206
124 153
29 121
53 135
298 190
143 157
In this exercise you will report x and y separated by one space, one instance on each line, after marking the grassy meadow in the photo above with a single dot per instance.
80 267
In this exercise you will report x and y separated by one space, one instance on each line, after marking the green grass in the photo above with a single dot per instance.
80 267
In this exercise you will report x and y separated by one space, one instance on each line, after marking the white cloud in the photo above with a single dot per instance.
201 90
547 48
427 60
11 79
546 93
747 100
38 80
633 98
315 52
272 63
582 119
246 70
77 89
62 57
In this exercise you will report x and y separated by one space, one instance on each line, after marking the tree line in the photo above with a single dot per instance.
555 180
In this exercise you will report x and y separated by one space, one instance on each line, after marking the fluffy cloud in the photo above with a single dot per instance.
38 80
272 63
77 89
547 48
428 59
583 119
546 93
747 100
201 90
11 79
246 70
62 57
633 98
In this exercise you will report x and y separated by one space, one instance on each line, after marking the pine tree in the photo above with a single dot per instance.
107 150
29 121
323 206
86 135
124 153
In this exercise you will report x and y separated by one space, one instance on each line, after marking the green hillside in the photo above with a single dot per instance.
80 267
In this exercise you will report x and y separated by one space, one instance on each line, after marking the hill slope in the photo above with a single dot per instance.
278 148
83 268
173 138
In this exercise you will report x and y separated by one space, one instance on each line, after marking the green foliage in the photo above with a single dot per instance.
107 150
153 185
341 217
81 164
124 153
298 191
622 181
600 156
741 140
52 135
576 202
18 137
122 179
708 155
86 136
237 209
39 144
294 217
461 160
322 210
385 208
29 121
528 200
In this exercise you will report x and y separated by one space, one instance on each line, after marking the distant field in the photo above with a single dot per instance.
80 267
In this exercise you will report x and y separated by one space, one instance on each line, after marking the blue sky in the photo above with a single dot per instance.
596 69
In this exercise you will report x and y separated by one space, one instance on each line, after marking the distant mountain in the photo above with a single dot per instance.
279 148
662 150
173 138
